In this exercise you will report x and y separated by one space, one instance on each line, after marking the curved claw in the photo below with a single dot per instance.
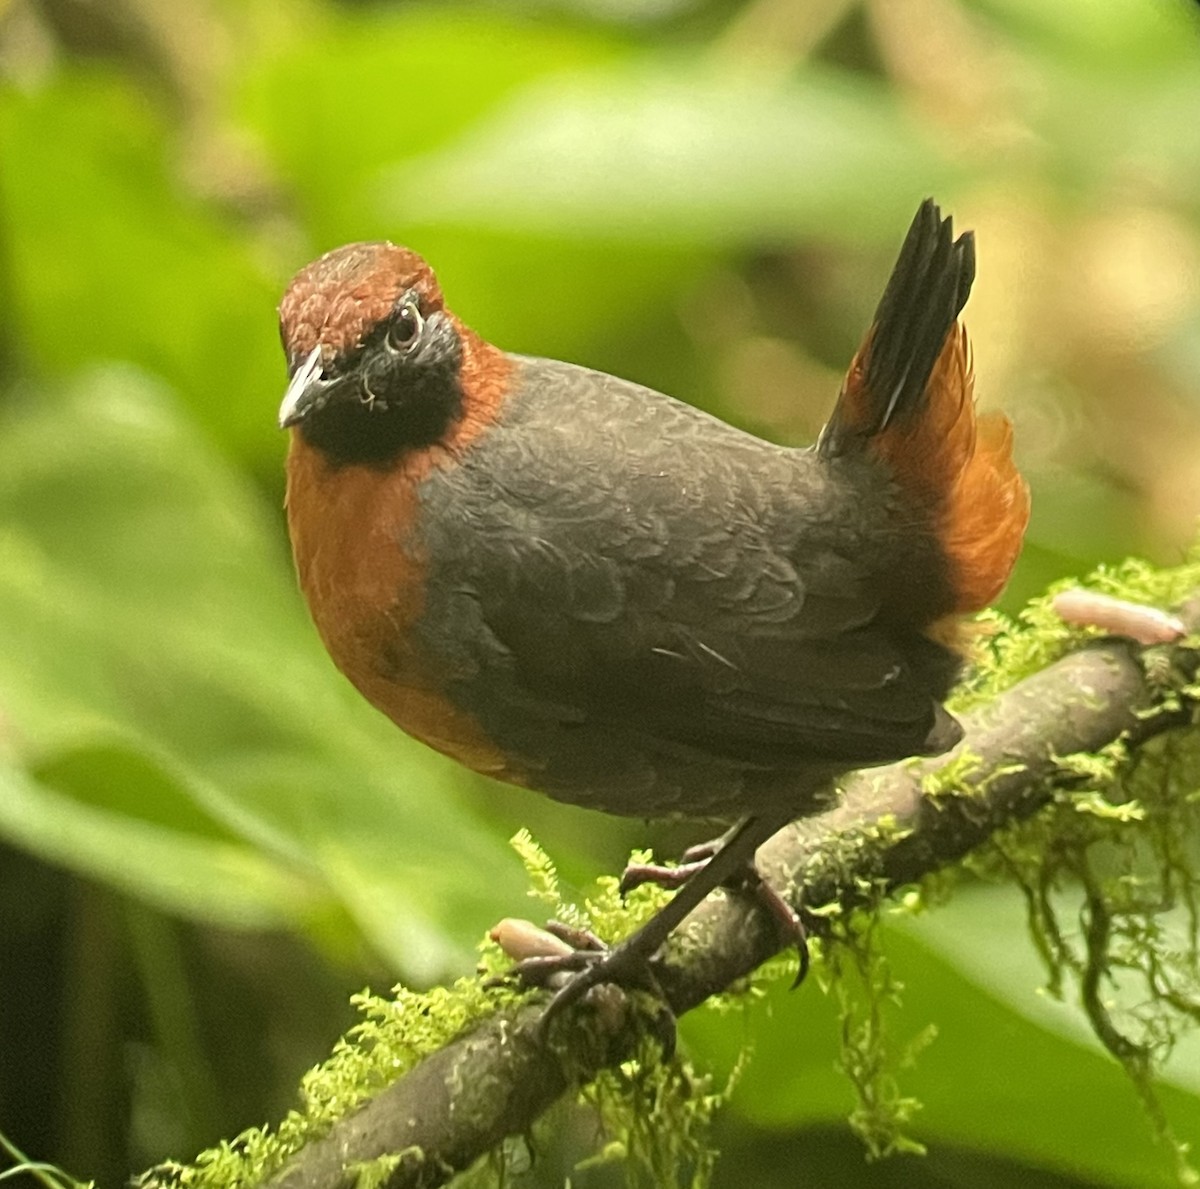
789 922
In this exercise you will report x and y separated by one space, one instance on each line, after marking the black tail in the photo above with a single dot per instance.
888 377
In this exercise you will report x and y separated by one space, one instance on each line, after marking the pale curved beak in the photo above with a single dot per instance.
306 385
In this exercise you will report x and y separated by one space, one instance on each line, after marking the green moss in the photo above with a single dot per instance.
395 1032
952 779
657 1118
855 969
1007 652
373 1174
607 913
1111 851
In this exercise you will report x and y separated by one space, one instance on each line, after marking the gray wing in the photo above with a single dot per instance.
636 563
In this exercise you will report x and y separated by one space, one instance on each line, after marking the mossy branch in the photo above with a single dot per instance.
887 832
1023 747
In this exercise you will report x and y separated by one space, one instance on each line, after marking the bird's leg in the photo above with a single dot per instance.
694 859
628 962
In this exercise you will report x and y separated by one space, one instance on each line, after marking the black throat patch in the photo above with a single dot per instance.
413 407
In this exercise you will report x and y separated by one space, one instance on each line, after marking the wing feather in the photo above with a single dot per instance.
667 574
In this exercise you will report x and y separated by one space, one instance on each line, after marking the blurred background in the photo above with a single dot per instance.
206 841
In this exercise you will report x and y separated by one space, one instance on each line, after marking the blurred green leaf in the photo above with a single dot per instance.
360 89
111 261
1079 521
335 110
634 11
996 1077
208 879
679 153
144 595
1110 90
1126 36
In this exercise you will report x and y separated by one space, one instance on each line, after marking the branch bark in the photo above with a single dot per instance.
493 1082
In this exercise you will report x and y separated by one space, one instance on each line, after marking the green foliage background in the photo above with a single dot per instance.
208 840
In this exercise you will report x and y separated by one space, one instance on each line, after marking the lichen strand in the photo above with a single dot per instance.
856 970
1112 853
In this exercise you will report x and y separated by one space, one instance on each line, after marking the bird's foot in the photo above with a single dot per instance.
543 957
576 965
625 965
691 862
748 879
658 874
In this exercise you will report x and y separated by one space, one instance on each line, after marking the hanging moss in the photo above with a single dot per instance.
855 970
1110 848
1111 852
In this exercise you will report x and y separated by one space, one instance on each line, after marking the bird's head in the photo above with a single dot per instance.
373 354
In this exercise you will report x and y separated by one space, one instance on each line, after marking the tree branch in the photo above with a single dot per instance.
494 1082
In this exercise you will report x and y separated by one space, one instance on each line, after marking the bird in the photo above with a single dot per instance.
573 583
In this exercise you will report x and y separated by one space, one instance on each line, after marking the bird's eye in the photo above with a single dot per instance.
405 328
